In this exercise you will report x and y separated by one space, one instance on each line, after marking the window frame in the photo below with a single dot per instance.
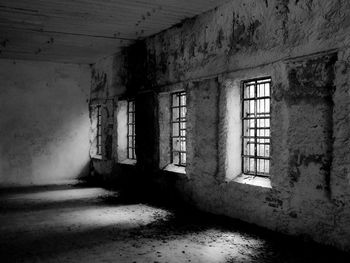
256 82
131 124
180 121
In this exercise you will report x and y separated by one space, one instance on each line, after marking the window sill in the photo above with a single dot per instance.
175 169
128 162
96 157
253 180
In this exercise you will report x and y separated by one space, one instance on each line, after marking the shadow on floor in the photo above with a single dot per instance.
84 224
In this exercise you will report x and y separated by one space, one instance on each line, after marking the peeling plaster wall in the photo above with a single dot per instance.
106 86
304 47
246 33
44 122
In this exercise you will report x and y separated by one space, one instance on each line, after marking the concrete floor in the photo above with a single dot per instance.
76 224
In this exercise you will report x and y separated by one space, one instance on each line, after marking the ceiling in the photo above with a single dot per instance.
82 31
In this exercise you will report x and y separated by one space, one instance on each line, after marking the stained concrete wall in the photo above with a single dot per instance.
44 122
105 89
304 47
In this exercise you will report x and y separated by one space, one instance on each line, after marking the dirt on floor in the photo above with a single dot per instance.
78 224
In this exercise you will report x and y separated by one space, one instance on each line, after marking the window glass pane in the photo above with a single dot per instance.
175 100
183 100
245 127
176 144
261 106
261 90
176 158
261 150
245 164
267 150
267 166
267 105
175 129
251 109
183 112
245 108
183 158
267 89
246 91
251 167
262 132
249 91
249 127
182 144
131 118
263 166
175 114
249 147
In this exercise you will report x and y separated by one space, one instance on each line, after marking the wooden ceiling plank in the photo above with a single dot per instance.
80 31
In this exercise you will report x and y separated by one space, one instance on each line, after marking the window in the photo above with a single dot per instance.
131 130
99 131
178 128
256 127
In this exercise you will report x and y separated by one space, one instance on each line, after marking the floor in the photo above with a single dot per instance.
79 224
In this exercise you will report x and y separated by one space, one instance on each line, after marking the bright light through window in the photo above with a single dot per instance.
99 131
178 133
131 130
256 127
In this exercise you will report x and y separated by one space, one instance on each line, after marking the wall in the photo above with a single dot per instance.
304 47
105 89
44 122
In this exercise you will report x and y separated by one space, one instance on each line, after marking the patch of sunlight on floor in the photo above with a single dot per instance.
58 195
88 218
127 216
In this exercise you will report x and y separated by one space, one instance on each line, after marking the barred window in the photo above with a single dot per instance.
131 135
256 127
178 129
99 131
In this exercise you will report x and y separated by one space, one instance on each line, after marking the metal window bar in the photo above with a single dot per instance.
131 135
178 128
256 117
99 131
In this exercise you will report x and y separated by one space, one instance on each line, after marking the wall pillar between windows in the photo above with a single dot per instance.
121 123
164 129
340 173
202 129
147 136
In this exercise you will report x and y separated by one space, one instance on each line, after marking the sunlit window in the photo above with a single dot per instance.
256 127
99 131
178 133
131 135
